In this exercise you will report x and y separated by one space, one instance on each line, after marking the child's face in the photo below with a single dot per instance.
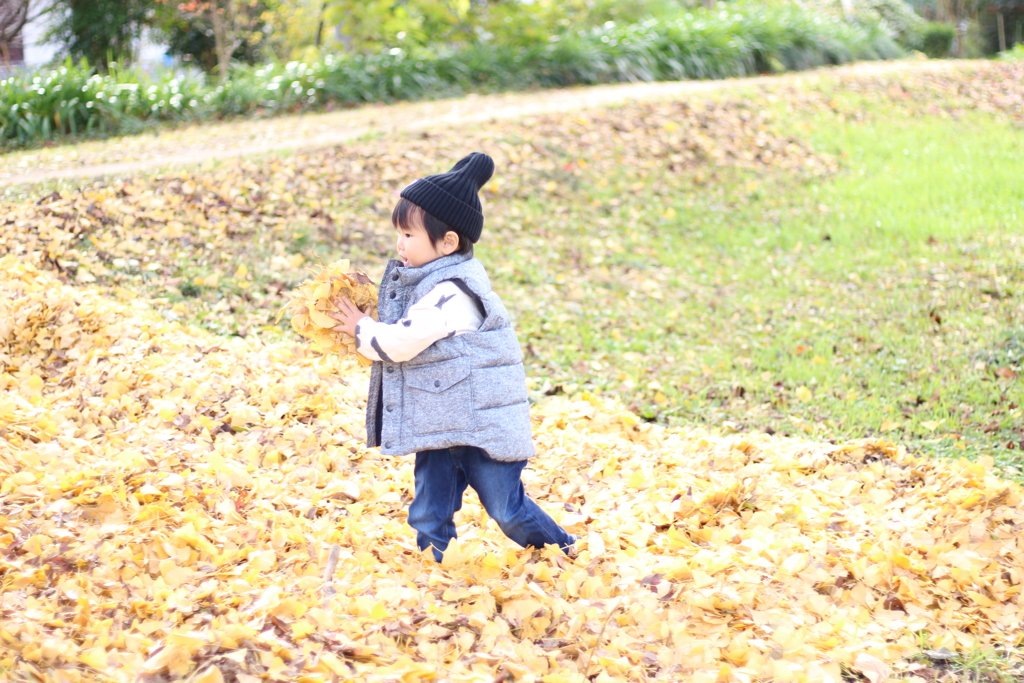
415 248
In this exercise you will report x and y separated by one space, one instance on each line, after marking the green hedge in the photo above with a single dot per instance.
937 39
73 100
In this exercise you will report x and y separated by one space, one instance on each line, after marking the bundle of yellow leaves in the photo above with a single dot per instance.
312 302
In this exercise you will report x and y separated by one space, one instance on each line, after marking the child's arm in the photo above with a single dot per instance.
444 312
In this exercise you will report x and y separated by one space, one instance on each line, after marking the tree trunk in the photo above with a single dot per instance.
1001 30
224 31
13 16
320 24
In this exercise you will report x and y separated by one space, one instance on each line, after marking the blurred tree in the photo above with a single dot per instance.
99 31
297 29
13 15
372 24
215 32
978 22
947 10
519 23
591 13
897 16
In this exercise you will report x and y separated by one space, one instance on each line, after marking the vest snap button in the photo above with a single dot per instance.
394 294
390 369
437 382
390 408
395 277
387 444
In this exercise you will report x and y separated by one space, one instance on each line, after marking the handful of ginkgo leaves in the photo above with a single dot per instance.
314 299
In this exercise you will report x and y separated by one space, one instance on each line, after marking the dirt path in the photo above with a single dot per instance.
199 144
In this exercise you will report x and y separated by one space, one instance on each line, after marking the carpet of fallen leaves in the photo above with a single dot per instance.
169 500
989 90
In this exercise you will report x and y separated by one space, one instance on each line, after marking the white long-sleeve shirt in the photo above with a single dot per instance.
445 311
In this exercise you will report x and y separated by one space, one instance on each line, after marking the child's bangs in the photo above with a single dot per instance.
404 214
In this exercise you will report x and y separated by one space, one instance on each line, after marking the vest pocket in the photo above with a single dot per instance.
440 396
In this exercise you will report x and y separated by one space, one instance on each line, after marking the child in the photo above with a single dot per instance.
448 380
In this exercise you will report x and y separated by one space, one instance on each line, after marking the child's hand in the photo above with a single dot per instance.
348 314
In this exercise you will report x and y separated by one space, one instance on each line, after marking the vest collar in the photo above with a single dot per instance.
410 276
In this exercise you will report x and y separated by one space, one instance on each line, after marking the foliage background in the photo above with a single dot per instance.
748 38
306 54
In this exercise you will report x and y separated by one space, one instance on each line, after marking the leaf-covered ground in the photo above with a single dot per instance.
170 495
723 259
170 498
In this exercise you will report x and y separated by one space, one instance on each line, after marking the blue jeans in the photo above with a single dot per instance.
441 478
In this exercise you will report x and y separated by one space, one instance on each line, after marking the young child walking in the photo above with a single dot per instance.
447 382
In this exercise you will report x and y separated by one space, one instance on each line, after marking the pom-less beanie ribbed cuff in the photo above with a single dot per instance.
453 197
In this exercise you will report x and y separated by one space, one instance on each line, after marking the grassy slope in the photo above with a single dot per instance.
882 299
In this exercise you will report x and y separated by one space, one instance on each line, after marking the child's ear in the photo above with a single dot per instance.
450 242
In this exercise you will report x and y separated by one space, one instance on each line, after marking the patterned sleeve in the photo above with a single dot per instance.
444 312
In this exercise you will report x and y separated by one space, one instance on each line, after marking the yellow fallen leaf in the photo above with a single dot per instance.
874 669
702 579
321 319
34 384
334 664
302 628
378 612
95 657
211 675
794 564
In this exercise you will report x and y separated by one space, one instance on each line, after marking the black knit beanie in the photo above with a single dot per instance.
452 196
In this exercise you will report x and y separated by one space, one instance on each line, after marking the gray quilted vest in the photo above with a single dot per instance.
465 390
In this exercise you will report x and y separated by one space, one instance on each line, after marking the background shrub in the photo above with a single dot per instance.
74 100
736 40
1014 54
937 39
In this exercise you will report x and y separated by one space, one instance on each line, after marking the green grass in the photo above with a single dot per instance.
997 664
881 302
